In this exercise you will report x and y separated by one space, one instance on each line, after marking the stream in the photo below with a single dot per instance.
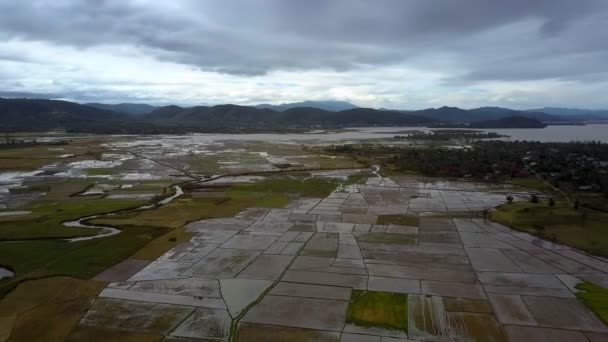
5 273
109 231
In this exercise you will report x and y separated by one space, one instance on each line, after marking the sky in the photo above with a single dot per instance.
398 54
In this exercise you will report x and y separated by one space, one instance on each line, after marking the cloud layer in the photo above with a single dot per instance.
389 53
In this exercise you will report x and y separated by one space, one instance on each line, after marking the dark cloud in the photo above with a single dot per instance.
27 95
254 37
86 96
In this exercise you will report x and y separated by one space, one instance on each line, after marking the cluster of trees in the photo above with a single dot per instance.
577 163
445 135
580 164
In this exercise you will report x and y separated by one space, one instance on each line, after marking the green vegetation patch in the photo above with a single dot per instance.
47 309
401 220
312 187
591 200
595 297
68 188
204 164
185 209
378 309
336 162
583 228
401 239
36 156
48 216
530 183
162 244
83 259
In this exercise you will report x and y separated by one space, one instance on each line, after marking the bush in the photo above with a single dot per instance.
551 202
533 198
509 198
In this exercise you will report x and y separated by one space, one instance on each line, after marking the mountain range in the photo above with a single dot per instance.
128 108
41 114
585 114
330 106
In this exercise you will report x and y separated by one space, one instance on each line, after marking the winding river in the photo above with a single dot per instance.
109 231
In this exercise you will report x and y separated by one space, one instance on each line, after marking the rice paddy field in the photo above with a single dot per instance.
246 237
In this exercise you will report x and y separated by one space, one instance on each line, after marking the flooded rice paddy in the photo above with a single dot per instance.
291 272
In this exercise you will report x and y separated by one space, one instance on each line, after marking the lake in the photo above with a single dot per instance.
598 132
557 133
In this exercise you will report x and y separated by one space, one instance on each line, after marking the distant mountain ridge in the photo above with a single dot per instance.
330 106
458 115
40 114
19 114
128 108
586 114
223 116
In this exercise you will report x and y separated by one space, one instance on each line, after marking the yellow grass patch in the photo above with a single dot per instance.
47 309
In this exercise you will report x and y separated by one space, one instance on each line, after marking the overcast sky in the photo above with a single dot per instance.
404 54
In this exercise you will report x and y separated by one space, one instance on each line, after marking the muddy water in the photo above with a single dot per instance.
109 231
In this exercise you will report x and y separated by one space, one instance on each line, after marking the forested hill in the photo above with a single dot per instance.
509 122
128 108
244 116
41 115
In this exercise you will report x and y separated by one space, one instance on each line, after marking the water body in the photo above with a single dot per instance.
598 132
109 231
5 273
557 133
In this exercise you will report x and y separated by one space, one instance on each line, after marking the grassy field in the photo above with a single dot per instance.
593 200
184 210
584 229
38 256
48 216
378 309
34 157
58 189
145 235
67 188
530 183
205 164
162 244
55 271
596 298
313 187
46 309
84 259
